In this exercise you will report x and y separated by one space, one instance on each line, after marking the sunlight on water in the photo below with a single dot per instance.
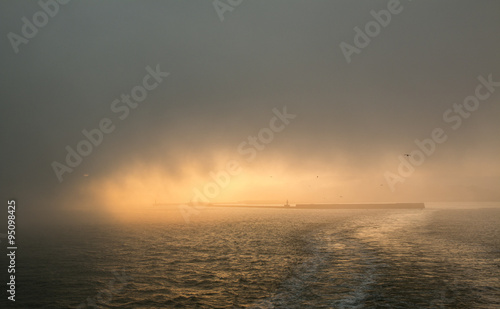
276 258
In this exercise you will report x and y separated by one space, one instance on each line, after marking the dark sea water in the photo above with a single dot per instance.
268 258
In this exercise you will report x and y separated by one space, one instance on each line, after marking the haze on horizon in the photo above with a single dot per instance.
353 120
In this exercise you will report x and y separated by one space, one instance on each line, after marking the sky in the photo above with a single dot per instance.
219 73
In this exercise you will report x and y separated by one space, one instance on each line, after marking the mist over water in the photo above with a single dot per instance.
125 125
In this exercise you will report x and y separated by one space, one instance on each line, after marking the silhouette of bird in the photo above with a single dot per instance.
406 154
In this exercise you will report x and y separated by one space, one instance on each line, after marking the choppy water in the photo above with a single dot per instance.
269 258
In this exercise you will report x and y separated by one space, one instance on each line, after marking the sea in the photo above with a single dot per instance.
267 258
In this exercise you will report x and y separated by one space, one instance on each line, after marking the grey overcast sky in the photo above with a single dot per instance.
354 121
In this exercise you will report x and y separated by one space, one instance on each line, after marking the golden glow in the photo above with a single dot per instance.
133 189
